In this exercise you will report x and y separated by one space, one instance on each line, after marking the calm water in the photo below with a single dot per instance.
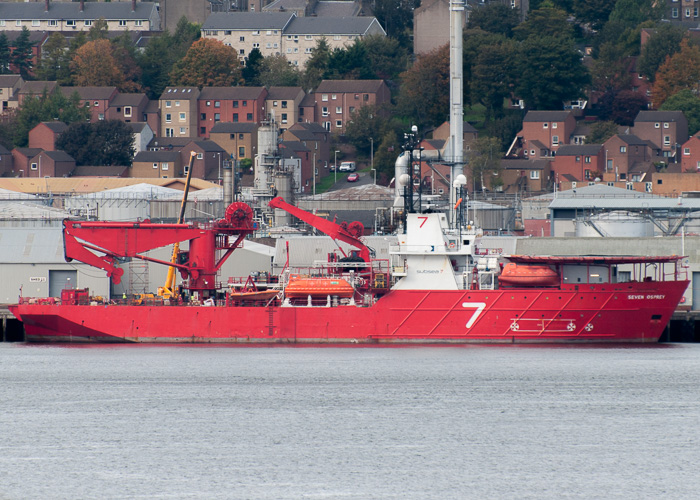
355 423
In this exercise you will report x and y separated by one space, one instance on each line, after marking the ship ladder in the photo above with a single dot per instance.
271 321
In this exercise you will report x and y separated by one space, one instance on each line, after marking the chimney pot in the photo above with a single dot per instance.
133 5
46 6
82 5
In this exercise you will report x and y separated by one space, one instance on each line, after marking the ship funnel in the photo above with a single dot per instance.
400 176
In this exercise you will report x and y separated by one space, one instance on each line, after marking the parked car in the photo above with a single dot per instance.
353 177
347 166
331 168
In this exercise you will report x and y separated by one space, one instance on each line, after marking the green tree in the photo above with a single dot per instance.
4 54
610 71
55 63
545 22
365 123
278 71
665 42
208 63
491 77
484 160
549 73
601 132
494 18
23 53
632 13
104 143
349 63
47 107
386 57
386 152
251 70
688 102
505 128
424 95
594 12
396 17
98 31
95 64
316 65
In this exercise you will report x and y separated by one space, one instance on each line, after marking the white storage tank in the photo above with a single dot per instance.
618 224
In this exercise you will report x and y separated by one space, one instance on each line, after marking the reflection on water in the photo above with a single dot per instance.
271 423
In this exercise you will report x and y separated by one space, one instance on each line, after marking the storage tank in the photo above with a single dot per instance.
619 224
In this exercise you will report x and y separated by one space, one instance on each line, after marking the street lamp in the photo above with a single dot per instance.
371 158
335 165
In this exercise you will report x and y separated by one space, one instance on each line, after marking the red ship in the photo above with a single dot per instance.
433 290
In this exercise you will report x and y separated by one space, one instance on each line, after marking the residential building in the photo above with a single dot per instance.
9 86
667 129
80 16
627 153
283 103
6 162
45 134
307 109
239 140
128 107
682 12
35 88
159 164
143 135
208 163
546 129
690 154
178 112
51 164
336 100
275 33
581 162
96 99
314 137
230 104
525 176
22 159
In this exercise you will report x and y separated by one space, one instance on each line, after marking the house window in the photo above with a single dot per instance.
324 111
235 104
70 23
249 117
365 97
284 104
339 123
336 37
240 136
534 174
182 117
308 37
274 104
202 130
241 39
545 125
674 12
168 117
244 104
686 151
324 97
183 131
555 140
34 166
202 116
587 159
177 104
241 151
256 33
18 23
667 140
623 149
235 118
138 22
307 50
578 159
217 117
165 166
122 22
284 117
35 22
554 125
217 104
52 22
665 124
256 45
657 125
155 165
96 103
629 186
587 174
168 104
169 132
127 111
338 110
573 185
648 186
200 156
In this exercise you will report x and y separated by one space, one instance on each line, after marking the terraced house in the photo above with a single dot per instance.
275 33
68 16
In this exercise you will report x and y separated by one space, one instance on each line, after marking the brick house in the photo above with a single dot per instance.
624 153
549 128
45 134
152 115
526 176
307 109
581 162
68 16
156 164
667 129
284 103
178 112
51 164
230 104
128 108
6 162
97 99
22 159
9 86
690 154
208 162
336 100
35 88
314 137
239 140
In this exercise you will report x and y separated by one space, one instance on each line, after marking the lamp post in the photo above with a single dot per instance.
335 165
314 174
371 158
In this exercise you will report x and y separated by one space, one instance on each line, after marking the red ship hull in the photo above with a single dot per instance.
611 312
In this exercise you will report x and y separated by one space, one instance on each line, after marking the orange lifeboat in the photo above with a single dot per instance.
302 287
528 275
